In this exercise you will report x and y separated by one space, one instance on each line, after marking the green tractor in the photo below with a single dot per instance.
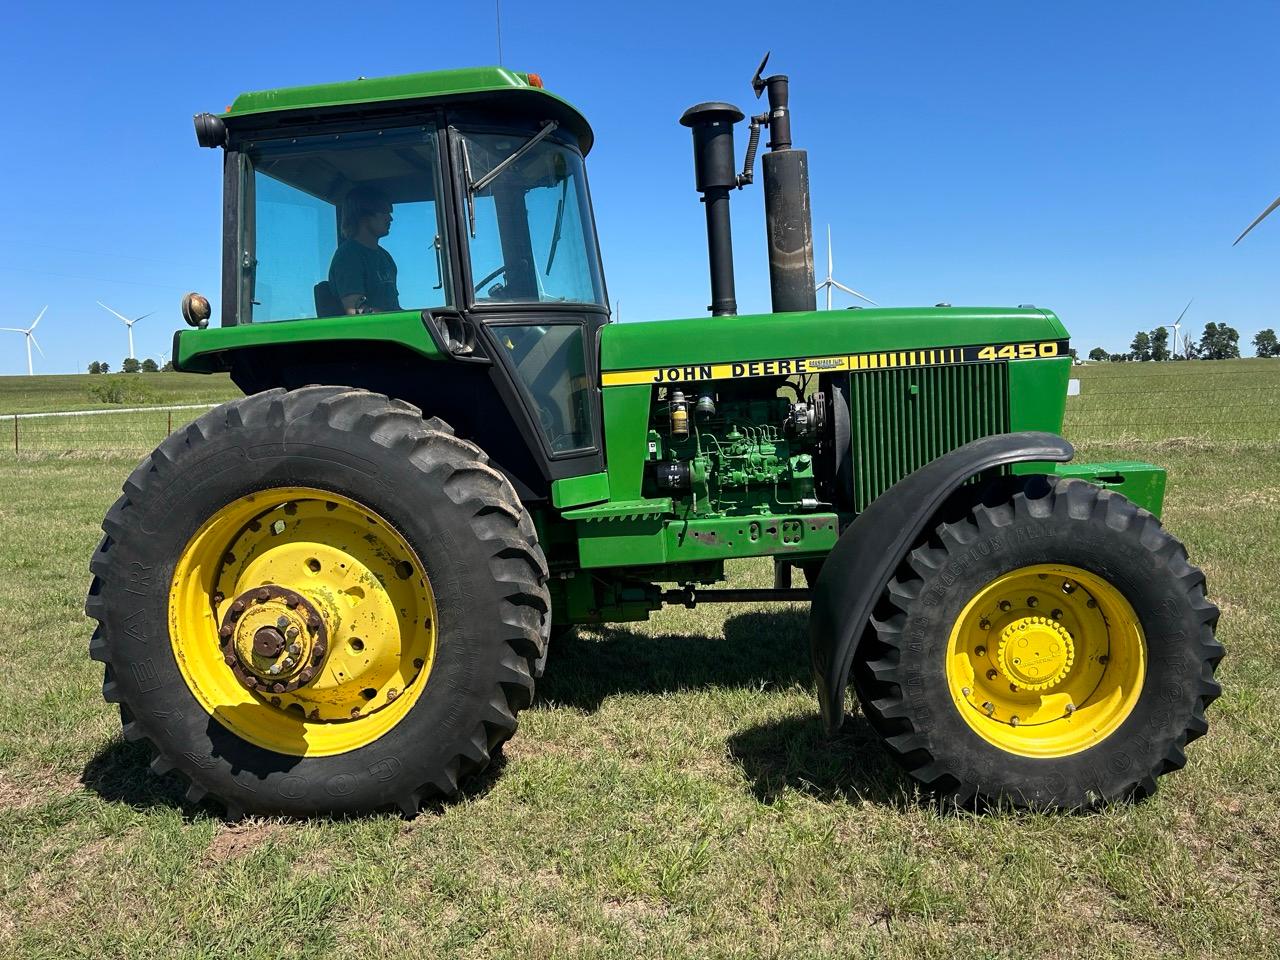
335 594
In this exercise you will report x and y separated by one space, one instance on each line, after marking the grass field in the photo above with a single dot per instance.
75 392
670 793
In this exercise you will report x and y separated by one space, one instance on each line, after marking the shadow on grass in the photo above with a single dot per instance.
120 773
795 753
758 650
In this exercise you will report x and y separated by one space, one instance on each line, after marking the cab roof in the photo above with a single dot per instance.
512 89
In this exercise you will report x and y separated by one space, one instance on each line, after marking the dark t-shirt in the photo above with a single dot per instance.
368 271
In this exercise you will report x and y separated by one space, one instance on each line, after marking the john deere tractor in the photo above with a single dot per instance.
336 593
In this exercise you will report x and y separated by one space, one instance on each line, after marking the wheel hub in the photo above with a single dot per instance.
274 640
1035 653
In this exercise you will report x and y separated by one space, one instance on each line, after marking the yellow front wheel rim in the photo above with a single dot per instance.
303 621
1046 661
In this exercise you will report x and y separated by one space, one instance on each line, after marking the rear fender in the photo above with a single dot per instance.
857 570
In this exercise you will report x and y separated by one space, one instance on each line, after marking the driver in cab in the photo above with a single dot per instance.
362 275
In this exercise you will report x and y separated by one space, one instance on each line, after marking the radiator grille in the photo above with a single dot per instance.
903 418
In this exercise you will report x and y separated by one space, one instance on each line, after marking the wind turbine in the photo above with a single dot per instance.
1177 324
127 322
1262 216
831 282
29 333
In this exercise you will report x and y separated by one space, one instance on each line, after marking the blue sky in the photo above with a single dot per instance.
1095 158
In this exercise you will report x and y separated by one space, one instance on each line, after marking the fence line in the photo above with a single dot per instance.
90 413
135 431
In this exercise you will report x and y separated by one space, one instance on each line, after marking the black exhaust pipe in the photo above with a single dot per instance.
788 220
715 174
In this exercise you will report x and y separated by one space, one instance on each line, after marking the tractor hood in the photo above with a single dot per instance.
819 341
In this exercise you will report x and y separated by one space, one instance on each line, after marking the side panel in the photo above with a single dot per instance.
626 425
1038 393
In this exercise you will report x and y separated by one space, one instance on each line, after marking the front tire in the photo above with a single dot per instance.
317 602
1055 650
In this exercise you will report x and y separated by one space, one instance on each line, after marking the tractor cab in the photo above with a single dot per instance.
457 196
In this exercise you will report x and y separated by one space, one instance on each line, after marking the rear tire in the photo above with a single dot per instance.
1106 707
471 546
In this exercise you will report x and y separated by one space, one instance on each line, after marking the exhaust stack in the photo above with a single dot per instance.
715 175
788 220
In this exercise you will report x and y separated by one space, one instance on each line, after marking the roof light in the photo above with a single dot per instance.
535 80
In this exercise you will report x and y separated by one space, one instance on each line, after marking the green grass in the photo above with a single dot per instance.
669 794
1227 401
74 391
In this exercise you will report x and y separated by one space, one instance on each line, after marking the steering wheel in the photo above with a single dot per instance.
492 275
551 424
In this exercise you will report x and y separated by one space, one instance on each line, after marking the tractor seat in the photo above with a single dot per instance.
327 302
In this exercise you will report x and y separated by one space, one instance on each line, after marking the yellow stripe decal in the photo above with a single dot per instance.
805 366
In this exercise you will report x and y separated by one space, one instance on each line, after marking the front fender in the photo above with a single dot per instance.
858 569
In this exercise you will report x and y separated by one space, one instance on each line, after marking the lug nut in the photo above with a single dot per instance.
291 633
392 694
1032 602
295 648
1013 721
1104 659
263 595
988 706
991 674
1005 605
226 631
1091 603
274 669
980 651
282 622
984 624
1055 613
1071 708
288 662
1068 586
965 691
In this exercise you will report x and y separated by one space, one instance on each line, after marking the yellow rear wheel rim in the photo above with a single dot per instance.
303 621
1046 661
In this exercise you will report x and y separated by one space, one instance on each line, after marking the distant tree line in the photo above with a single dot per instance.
132 365
1218 342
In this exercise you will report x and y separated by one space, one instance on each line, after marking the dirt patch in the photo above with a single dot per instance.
17 793
241 839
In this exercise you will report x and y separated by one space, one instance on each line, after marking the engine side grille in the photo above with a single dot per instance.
903 418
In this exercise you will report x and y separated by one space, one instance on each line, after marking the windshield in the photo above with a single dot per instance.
531 235
341 224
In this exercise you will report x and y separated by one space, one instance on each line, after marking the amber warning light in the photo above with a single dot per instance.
535 80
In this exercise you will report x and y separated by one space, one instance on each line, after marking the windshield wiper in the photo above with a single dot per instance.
548 127
475 186
555 234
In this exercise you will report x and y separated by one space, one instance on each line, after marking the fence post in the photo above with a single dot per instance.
169 429
15 433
